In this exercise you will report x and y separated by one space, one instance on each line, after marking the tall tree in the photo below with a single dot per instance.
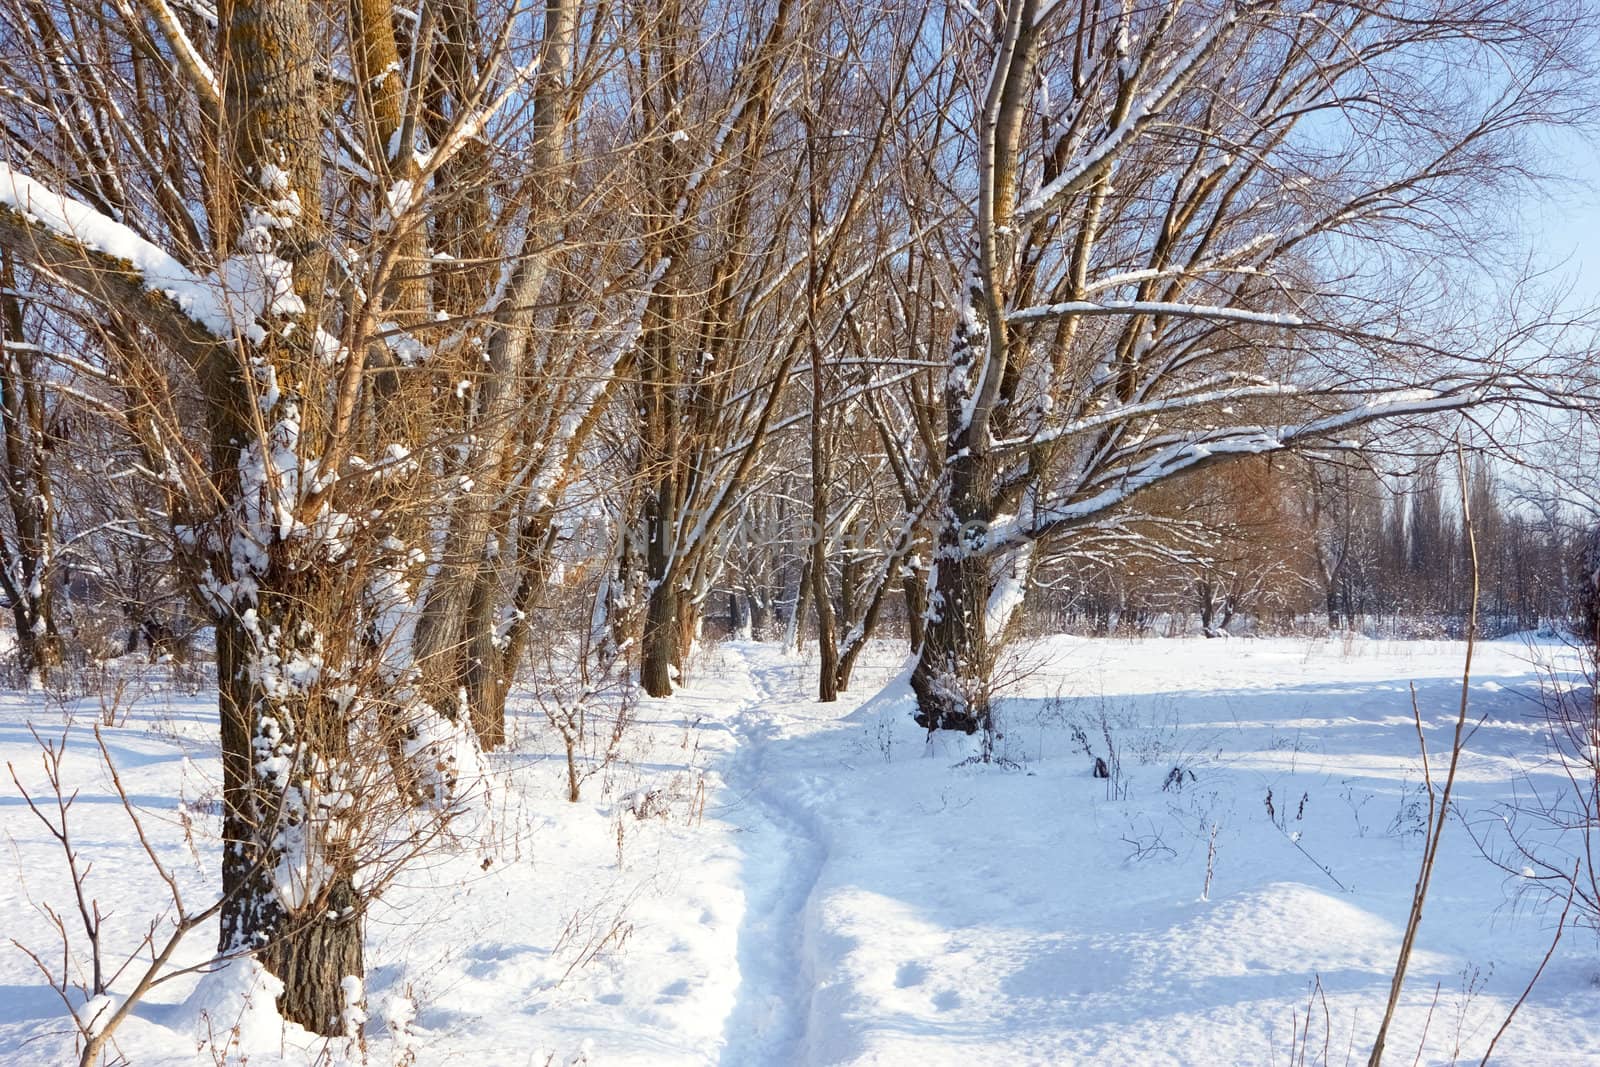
262 307
27 557
1160 192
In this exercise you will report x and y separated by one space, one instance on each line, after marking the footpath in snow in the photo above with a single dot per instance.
755 878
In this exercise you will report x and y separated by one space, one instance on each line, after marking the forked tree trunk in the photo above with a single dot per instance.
954 670
455 634
861 629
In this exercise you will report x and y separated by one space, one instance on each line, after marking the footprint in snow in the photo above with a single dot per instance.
949 1000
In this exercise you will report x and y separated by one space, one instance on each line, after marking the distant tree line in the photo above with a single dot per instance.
1342 547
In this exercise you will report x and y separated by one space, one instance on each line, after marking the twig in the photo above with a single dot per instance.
1561 926
1318 864
1427 1024
1438 814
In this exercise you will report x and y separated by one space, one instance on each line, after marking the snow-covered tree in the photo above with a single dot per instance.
313 265
1207 230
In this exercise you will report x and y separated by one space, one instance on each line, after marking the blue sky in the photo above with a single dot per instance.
1564 225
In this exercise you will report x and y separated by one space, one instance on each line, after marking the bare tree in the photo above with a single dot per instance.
1202 232
27 557
267 303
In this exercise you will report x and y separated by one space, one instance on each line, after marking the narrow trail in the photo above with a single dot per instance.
783 856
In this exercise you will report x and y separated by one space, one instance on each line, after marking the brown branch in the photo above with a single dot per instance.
1561 926
112 282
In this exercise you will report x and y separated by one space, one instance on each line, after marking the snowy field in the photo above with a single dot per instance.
754 878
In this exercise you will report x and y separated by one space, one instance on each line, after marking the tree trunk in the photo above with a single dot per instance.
624 598
802 605
1206 595
827 639
952 672
454 649
38 643
659 646
283 749
484 677
915 591
759 614
861 630
312 955
284 615
25 565
689 620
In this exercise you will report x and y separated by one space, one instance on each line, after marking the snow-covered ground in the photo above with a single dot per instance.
760 879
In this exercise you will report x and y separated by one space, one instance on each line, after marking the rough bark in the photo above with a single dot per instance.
915 591
659 644
278 737
952 673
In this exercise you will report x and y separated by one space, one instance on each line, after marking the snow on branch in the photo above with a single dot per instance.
1154 307
193 313
1143 111
200 74
471 124
1170 459
73 241
550 465
1122 414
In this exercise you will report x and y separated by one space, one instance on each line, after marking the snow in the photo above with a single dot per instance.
354 995
760 879
233 1009
246 288
95 1012
1011 585
1153 307
257 284
198 298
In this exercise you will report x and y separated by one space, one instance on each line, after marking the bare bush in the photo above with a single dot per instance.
88 965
